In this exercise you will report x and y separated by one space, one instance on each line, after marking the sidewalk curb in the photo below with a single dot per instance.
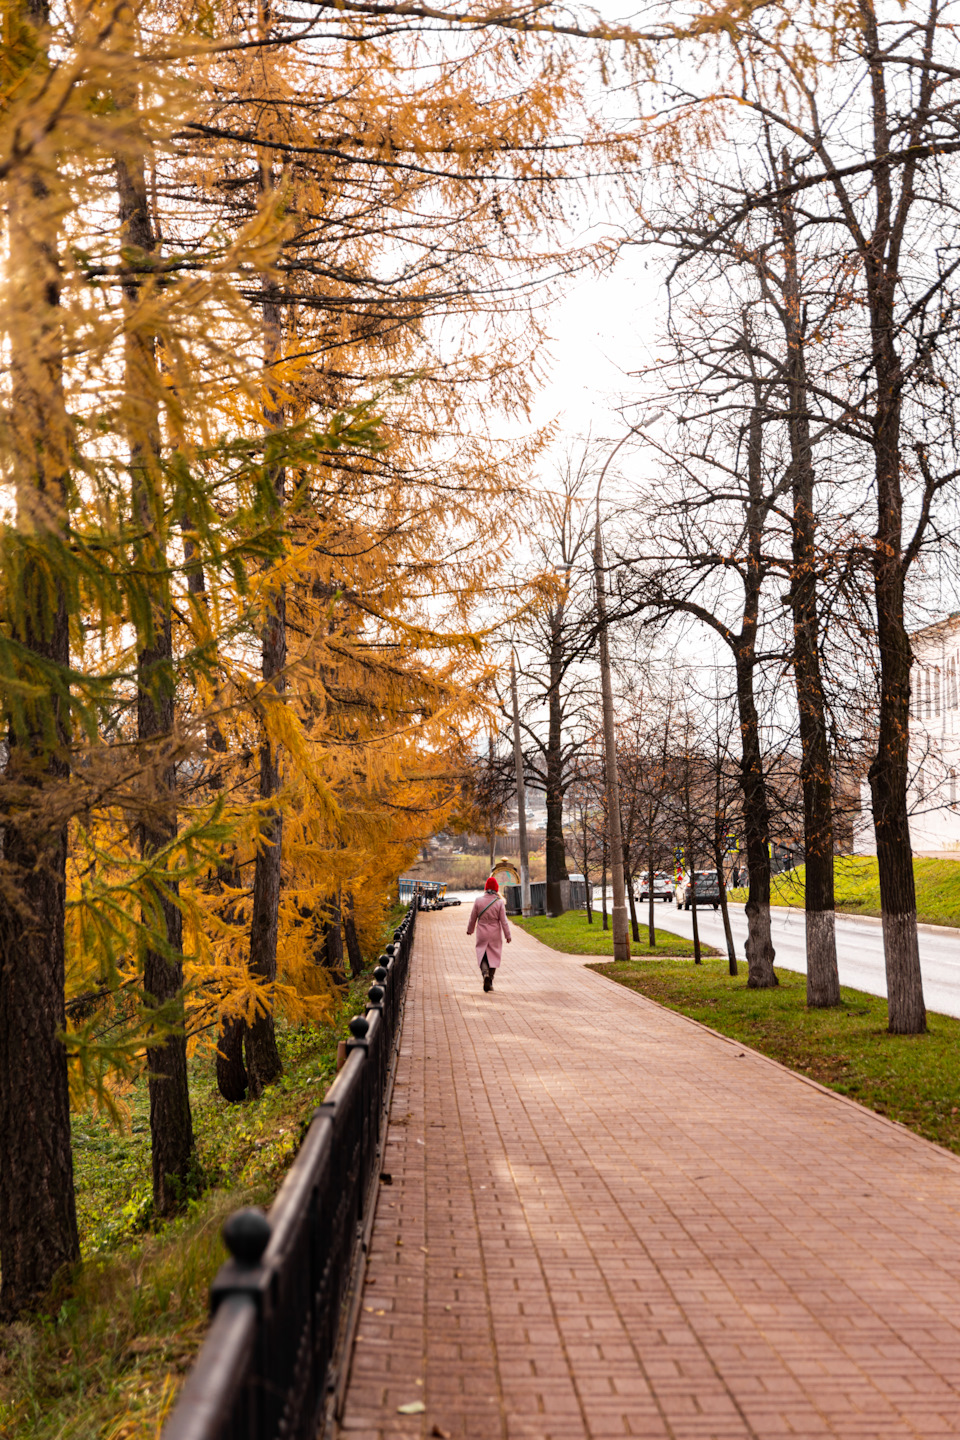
874 921
862 1110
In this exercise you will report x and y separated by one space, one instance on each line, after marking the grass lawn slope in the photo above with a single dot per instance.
911 1078
571 934
858 888
107 1361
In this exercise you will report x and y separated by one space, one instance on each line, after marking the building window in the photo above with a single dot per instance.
953 788
954 696
936 691
926 694
920 782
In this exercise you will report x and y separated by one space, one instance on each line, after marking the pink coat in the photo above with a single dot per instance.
491 926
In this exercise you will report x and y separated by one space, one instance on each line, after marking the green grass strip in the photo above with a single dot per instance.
858 888
571 934
911 1078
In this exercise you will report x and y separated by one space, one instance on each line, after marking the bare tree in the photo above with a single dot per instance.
689 801
643 755
706 559
862 153
552 643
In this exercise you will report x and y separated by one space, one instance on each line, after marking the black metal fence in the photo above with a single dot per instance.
274 1362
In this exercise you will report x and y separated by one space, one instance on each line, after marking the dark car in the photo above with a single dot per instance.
707 887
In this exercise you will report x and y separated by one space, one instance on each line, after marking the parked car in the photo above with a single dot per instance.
662 886
707 887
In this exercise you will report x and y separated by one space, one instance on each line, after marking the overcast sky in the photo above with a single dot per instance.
602 330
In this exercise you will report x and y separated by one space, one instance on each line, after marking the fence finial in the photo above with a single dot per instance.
246 1233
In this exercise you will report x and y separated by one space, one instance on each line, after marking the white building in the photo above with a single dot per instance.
933 796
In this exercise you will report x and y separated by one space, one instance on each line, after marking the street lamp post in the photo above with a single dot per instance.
621 936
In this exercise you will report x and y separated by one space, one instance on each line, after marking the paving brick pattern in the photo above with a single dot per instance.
605 1221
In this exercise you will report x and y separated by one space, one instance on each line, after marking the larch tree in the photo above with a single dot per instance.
235 244
38 1223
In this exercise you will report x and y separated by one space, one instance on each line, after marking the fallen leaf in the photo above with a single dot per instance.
416 1407
442 1434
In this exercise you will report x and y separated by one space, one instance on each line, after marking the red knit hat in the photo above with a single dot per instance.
492 885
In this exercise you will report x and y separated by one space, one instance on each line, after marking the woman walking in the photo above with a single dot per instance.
489 918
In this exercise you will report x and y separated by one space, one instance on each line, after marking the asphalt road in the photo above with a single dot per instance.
859 949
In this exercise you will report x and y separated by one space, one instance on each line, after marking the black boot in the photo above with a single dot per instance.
485 972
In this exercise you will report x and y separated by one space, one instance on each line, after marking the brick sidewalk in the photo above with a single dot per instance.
605 1221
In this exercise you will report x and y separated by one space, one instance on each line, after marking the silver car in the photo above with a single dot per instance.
662 886
707 887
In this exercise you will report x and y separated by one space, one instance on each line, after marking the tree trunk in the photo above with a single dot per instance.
556 850
333 944
603 887
171 1124
697 957
231 1071
756 813
586 877
263 1058
756 829
631 898
889 770
691 867
38 1221
651 923
350 937
725 910
823 980
889 774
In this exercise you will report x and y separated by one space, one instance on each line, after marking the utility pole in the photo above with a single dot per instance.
521 793
621 938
